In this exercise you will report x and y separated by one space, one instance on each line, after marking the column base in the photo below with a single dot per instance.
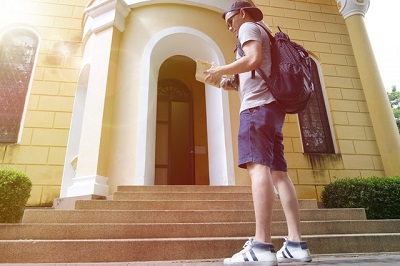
88 185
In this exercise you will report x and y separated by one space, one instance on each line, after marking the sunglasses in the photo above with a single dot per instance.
229 21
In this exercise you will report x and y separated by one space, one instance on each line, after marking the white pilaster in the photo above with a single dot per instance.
104 17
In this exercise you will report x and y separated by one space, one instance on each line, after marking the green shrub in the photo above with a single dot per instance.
379 196
15 189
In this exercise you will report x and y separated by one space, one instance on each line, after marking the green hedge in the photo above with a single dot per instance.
379 196
15 189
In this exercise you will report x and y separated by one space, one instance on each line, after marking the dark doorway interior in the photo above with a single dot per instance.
174 143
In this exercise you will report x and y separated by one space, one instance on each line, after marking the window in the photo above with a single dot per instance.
17 54
314 123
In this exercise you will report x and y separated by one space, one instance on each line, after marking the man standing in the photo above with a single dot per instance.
260 140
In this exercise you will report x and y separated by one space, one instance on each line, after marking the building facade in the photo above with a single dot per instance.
102 93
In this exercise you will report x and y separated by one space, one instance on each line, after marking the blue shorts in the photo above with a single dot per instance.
260 137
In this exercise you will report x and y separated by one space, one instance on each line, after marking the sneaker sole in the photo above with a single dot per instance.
255 263
305 259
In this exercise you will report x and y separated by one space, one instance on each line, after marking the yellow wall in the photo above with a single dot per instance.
42 148
316 24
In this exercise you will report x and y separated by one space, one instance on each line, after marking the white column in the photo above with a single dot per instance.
104 17
384 124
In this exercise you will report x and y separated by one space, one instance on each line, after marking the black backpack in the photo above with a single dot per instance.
290 81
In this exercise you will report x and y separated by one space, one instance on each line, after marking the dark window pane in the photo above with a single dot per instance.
314 123
171 89
17 54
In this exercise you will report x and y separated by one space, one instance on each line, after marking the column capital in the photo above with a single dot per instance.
107 13
352 7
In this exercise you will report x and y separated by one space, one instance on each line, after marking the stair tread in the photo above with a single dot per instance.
149 216
124 250
198 238
171 204
185 230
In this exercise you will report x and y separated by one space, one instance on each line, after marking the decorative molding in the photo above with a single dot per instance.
107 13
101 14
219 5
352 7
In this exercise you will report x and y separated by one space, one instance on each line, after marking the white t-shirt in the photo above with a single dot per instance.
254 92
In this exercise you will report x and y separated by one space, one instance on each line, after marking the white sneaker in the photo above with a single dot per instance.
294 251
254 253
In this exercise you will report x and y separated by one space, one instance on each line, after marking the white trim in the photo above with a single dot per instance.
327 106
75 132
193 44
219 6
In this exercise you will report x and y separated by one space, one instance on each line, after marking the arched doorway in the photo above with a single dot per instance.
181 148
189 43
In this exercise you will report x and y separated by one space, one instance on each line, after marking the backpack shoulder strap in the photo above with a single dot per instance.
259 70
241 53
271 37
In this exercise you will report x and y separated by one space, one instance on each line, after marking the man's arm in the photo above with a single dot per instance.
251 61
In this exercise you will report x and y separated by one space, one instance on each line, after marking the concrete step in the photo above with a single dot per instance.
185 188
182 204
128 250
181 196
179 216
185 230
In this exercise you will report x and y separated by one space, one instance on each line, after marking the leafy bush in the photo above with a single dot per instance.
15 189
379 196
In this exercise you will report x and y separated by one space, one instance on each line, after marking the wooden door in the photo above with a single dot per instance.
174 139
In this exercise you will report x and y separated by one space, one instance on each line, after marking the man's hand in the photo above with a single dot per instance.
227 84
214 74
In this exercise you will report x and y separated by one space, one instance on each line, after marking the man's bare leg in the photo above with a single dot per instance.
263 198
290 204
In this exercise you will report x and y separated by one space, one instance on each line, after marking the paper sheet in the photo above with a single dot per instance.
201 66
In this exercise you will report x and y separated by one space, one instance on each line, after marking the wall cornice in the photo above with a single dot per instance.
102 14
218 6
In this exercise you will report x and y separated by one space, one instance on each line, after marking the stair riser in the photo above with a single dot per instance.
173 249
164 205
181 196
91 216
143 231
177 205
189 189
